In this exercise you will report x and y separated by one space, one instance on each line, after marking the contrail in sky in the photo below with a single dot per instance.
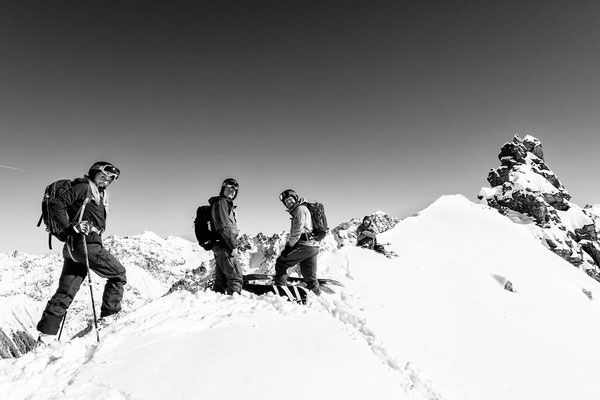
18 169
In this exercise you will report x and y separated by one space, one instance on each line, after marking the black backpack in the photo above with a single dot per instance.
54 192
203 228
319 220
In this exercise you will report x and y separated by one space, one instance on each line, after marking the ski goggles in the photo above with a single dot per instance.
110 171
288 193
231 183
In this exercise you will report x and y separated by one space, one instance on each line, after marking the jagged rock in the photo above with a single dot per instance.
534 146
586 232
498 176
513 153
194 280
525 185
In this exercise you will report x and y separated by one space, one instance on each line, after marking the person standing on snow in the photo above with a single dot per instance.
82 212
366 236
300 247
228 272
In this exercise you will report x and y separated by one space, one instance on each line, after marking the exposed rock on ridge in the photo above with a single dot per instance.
525 189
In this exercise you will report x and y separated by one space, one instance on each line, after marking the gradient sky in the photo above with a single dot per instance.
363 106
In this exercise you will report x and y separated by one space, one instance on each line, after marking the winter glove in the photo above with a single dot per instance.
82 227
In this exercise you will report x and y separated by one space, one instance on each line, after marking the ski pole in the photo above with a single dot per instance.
62 324
89 274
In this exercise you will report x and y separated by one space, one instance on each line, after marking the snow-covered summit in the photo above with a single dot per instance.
525 189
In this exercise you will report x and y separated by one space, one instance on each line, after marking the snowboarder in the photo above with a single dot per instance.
366 236
300 247
228 272
83 233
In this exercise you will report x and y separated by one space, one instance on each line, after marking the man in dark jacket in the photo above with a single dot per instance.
366 236
300 247
228 272
82 212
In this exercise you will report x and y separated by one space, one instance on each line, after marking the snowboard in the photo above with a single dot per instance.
293 293
291 279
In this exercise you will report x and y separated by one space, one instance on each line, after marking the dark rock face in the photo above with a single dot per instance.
524 185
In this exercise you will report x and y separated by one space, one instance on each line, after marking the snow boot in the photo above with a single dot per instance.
45 340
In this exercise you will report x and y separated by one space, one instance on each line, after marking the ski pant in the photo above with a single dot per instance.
306 256
369 243
74 272
228 274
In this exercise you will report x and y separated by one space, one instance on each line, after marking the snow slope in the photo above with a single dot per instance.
434 323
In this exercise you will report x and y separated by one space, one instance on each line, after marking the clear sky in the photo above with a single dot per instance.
363 106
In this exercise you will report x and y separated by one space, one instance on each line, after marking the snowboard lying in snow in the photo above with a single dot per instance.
291 279
293 293
295 283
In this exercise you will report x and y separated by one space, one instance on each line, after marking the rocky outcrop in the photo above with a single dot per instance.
526 190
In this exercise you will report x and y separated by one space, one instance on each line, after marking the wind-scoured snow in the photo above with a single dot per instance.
435 323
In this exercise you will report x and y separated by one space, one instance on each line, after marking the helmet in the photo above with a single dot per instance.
230 182
104 166
367 219
288 193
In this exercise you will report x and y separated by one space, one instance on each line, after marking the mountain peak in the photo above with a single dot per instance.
527 191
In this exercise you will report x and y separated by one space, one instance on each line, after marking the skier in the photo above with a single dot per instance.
87 196
366 236
228 272
300 247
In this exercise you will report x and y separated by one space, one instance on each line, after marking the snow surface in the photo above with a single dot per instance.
434 323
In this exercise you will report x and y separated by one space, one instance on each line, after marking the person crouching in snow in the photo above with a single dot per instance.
88 194
300 248
366 236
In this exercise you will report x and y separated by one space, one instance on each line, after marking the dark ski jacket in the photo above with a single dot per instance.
365 234
223 216
66 208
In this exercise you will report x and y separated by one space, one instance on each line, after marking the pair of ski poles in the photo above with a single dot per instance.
89 274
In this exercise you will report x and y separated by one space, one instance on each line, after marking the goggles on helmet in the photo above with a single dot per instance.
288 193
232 183
109 170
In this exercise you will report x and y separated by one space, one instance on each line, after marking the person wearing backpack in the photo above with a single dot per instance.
366 236
300 248
228 272
79 215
